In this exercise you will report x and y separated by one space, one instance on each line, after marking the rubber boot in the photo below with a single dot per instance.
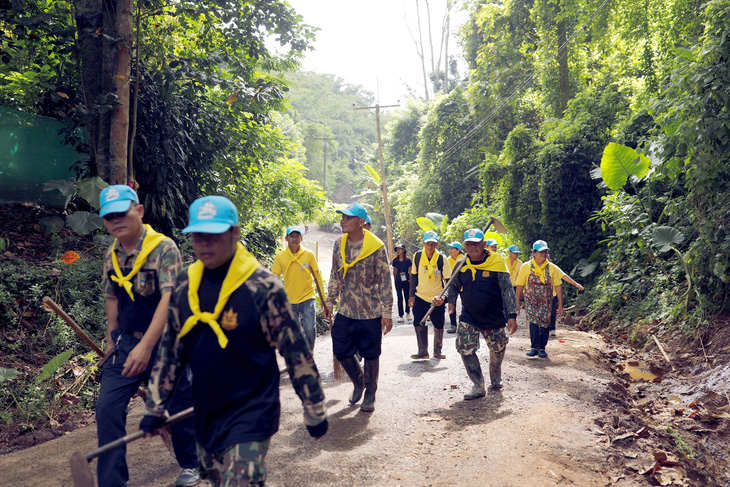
355 373
422 338
495 369
438 342
372 369
474 370
452 318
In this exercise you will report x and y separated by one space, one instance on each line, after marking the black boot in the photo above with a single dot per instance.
372 369
495 369
422 338
474 370
438 342
354 372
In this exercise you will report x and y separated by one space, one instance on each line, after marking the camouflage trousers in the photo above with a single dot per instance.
467 339
241 465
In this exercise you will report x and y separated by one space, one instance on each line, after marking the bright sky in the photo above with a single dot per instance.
367 42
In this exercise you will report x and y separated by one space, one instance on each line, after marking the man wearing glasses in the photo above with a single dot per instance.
139 274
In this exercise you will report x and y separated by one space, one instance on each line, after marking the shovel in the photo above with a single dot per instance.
455 271
80 471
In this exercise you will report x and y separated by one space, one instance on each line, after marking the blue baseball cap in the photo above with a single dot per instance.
116 199
211 214
369 220
455 245
430 236
473 235
491 241
293 229
540 245
355 209
514 248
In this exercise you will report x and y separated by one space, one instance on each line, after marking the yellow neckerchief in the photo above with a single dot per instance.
242 266
151 240
494 263
511 265
370 244
539 270
294 257
430 264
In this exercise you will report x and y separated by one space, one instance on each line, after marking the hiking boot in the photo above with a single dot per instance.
474 371
188 476
355 373
372 369
438 342
422 339
531 353
542 353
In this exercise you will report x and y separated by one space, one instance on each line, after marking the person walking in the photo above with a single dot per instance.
402 275
456 251
514 264
360 280
427 282
227 316
554 308
298 265
538 279
486 291
139 275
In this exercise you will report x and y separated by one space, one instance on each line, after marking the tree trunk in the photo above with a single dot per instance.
446 64
563 70
119 131
421 50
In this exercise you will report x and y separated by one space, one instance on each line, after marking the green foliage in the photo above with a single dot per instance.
619 163
8 374
54 364
88 191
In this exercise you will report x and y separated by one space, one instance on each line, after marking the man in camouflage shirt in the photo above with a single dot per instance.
360 279
227 315
139 275
487 304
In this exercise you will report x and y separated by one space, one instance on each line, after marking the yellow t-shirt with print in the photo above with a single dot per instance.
298 282
430 287
555 275
514 269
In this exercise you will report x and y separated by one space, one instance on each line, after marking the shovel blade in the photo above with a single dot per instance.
80 471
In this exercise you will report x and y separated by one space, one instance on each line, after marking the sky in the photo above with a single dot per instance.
367 42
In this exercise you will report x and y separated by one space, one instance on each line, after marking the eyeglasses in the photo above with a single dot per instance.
113 216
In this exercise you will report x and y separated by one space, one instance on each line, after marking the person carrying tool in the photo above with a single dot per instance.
227 315
456 251
427 281
540 281
297 264
486 291
139 275
402 275
360 279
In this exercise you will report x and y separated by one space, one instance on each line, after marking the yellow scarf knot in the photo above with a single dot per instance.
494 263
370 244
151 240
243 265
539 270
430 264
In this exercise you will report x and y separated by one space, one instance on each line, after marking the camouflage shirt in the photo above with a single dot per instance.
365 292
236 389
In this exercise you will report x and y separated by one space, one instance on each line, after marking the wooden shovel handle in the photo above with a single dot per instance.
79 331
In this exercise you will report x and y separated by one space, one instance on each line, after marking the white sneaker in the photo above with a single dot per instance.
400 319
552 333
188 476
408 316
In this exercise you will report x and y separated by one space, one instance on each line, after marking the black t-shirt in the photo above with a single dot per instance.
402 267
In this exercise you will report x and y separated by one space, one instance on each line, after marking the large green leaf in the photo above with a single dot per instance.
496 236
89 190
67 189
53 365
436 218
619 162
83 222
373 174
665 237
8 374
426 224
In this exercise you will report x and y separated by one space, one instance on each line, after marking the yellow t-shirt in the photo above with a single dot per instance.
428 287
298 282
452 262
514 269
555 275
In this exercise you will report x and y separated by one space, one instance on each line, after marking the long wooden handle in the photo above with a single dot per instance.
79 331
454 273
319 288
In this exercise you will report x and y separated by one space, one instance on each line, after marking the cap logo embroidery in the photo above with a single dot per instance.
207 211
112 194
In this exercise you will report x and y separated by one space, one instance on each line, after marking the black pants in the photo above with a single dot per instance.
401 291
350 336
553 314
420 307
538 337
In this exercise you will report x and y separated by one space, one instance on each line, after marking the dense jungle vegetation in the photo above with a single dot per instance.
601 127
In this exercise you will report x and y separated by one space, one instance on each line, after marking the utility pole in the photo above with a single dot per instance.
324 162
383 188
